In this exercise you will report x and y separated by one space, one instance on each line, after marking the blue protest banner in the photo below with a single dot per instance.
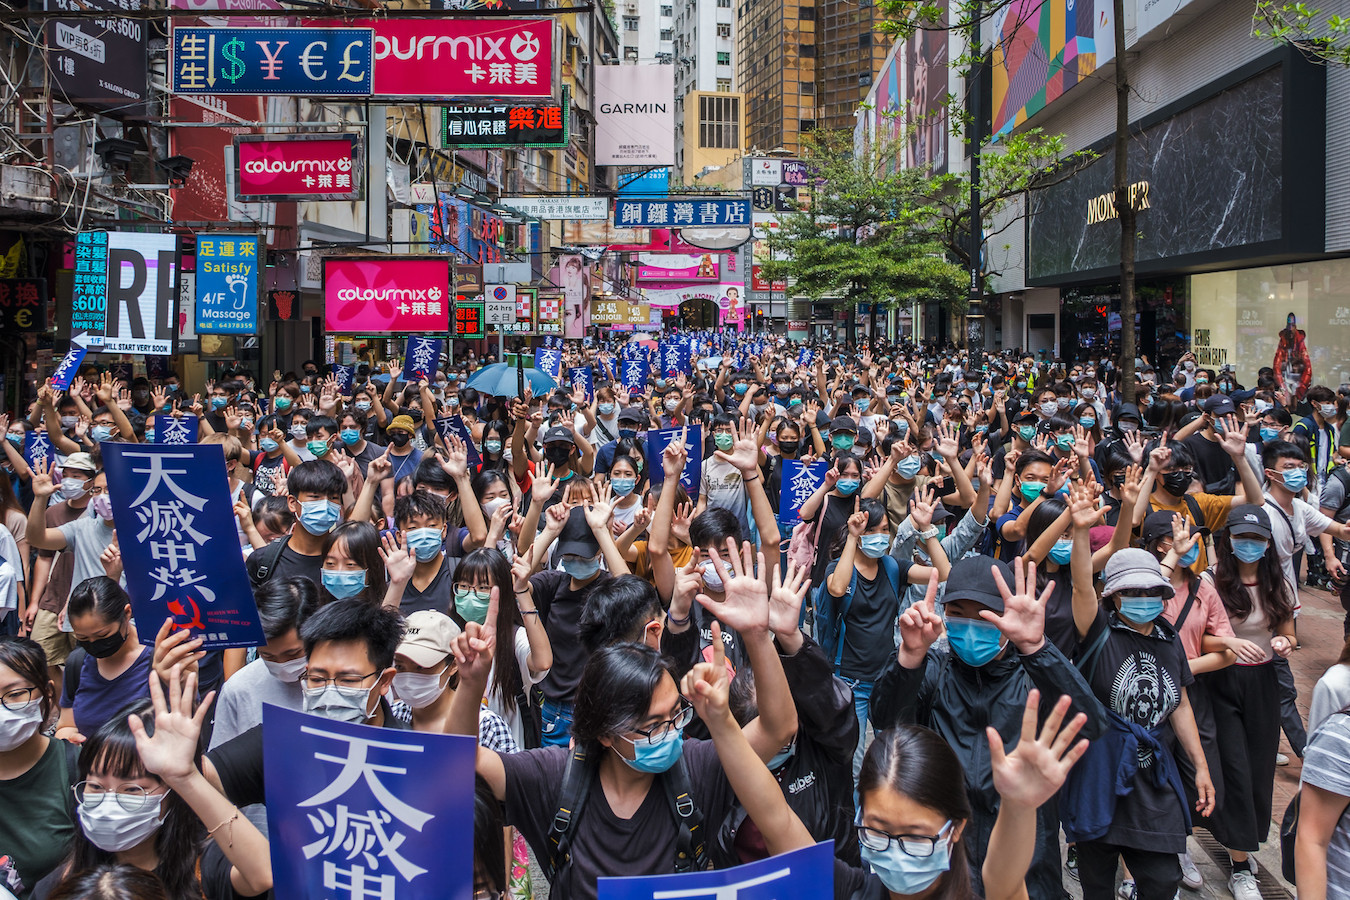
311 61
346 377
549 361
552 342
675 359
180 544
804 356
455 425
359 811
174 429
582 377
636 370
658 440
37 451
227 284
799 482
421 359
711 212
807 873
69 367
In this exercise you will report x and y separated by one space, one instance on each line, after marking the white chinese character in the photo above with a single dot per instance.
802 486
684 213
160 475
708 213
658 213
499 73
356 834
355 766
630 213
527 73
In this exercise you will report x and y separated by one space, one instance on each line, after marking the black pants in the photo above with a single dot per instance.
1290 719
1202 708
1246 701
1156 875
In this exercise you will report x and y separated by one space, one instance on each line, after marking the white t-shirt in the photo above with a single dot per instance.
1307 522
512 716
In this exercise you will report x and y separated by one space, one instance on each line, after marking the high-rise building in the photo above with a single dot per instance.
703 51
714 132
849 53
646 30
777 70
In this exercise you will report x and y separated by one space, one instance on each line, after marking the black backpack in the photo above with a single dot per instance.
578 779
262 563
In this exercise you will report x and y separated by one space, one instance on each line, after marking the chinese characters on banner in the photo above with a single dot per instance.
635 370
306 168
23 304
808 872
69 367
549 361
180 544
804 356
393 294
469 316
710 213
505 125
464 57
174 429
421 359
455 425
674 358
37 450
227 284
292 61
355 811
799 482
582 377
346 377
89 304
659 439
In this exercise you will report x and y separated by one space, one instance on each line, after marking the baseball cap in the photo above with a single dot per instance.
972 578
1220 405
82 461
1249 519
558 434
426 637
576 538
632 414
1157 525
404 422
843 423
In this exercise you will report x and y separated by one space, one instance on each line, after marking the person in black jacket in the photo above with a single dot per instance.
997 652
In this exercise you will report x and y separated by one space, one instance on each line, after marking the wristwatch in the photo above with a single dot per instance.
929 533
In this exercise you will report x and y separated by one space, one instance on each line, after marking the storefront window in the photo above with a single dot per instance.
1090 322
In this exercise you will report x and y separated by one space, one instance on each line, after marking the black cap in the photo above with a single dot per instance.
577 539
558 434
843 423
1242 396
1249 519
1220 405
1026 416
1157 525
972 578
632 414
865 436
941 513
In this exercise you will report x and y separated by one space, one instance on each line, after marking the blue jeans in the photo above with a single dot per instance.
862 702
557 723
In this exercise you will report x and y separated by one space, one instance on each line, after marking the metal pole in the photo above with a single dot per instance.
974 138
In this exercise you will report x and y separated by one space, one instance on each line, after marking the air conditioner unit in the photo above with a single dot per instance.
573 41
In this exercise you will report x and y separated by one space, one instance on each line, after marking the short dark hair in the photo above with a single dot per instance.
617 610
615 691
325 423
285 603
352 621
713 526
430 474
316 476
1277 450
418 503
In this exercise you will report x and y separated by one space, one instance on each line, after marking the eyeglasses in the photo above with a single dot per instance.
351 682
657 733
920 846
130 797
18 699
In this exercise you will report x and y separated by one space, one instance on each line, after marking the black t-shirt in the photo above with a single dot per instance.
560 610
1213 465
869 635
292 563
438 594
215 878
369 452
602 843
835 511
269 473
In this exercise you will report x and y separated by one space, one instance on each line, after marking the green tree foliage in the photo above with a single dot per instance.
1317 33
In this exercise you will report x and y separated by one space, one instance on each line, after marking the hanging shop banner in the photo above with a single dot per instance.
180 543
678 267
581 209
325 62
710 212
89 300
387 294
505 125
131 304
358 811
635 115
609 312
227 284
168 429
99 62
23 304
469 315
298 168
497 58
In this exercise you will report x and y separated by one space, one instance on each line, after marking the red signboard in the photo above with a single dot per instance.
404 295
499 57
310 168
759 283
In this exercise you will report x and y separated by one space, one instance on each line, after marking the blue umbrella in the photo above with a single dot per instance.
499 380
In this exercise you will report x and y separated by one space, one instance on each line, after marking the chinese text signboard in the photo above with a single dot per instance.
406 295
799 483
469 318
358 811
707 213
659 439
23 304
505 125
227 284
169 429
180 543
100 62
494 57
290 61
304 168
89 304
421 358
808 872
126 291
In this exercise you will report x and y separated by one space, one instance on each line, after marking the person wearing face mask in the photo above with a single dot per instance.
1321 430
298 435
1138 669
403 457
1123 435
85 536
315 492
788 436
354 566
421 519
720 484
628 483
1047 403
831 505
114 671
274 458
606 413
855 613
630 421
1037 478
996 654
33 768
1023 432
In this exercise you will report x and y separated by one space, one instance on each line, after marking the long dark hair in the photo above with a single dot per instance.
917 763
1271 587
26 658
615 691
363 546
178 843
876 512
110 882
489 564
499 428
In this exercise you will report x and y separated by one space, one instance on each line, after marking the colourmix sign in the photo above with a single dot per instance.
497 58
310 168
387 294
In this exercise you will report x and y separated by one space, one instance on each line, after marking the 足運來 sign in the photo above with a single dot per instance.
227 284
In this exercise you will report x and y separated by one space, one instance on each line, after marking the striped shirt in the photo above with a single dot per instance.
1326 764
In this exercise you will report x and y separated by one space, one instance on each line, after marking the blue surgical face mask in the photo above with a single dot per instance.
268 445
974 641
862 404
100 433
659 757
1027 432
425 543
1087 421
492 446
847 486
905 874
1141 610
319 516
1064 442
843 441
1190 556
875 545
1249 550
782 756
580 569
150 436
1269 434
1295 479
283 404
740 389
219 402
363 405
909 466
605 409
15 439
1031 490
472 604
349 436
1061 551
623 486
343 585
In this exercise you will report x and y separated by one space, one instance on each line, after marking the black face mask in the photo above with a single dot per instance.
789 447
1177 482
557 456
399 438
104 647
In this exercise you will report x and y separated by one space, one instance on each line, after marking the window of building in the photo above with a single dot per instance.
630 53
724 84
630 23
723 58
807 13
724 4
667 34
807 51
667 10
806 124
864 41
724 30
719 122
808 88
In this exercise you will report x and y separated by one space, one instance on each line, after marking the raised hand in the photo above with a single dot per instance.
745 603
1082 442
175 647
1134 445
707 684
1083 511
949 440
544 484
1023 618
456 461
1234 437
520 573
555 517
688 582
601 508
1182 539
171 752
673 457
1129 490
1160 456
43 484
857 522
380 467
399 561
1036 768
111 560
922 506
789 588
920 626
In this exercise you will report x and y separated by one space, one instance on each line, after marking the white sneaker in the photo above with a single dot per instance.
1281 759
1127 890
1190 875
1242 885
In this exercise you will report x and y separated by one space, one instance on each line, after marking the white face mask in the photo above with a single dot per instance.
289 671
338 704
490 507
17 727
418 689
111 828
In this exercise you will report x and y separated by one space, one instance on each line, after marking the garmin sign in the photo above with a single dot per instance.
635 121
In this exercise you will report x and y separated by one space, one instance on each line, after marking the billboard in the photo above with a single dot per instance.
227 284
462 57
1042 48
678 267
298 168
635 115
581 209
926 91
140 291
287 61
505 125
405 295
99 62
